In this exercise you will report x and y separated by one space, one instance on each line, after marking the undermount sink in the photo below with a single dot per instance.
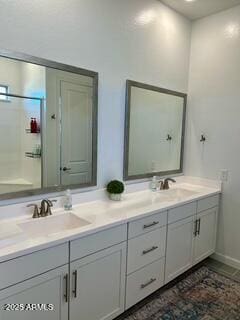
177 194
52 225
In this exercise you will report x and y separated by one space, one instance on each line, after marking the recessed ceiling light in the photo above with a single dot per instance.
190 0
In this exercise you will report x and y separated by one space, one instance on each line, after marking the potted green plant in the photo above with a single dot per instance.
115 190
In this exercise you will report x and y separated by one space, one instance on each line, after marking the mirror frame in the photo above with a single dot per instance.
60 66
129 85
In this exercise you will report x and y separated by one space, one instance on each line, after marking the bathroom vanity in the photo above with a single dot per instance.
116 255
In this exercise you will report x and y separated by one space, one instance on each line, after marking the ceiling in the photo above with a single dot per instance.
196 9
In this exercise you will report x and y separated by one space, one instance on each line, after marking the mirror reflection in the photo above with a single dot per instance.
154 131
47 127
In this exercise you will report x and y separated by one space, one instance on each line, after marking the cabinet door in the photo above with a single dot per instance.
179 248
205 240
41 297
98 285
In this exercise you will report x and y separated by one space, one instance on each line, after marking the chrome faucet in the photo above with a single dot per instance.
165 183
44 210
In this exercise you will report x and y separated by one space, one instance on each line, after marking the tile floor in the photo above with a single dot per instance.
223 268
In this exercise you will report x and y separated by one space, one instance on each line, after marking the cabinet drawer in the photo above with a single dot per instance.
145 249
207 203
147 224
182 212
143 282
28 266
95 242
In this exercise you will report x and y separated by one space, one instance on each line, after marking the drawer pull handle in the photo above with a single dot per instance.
154 223
150 250
66 288
74 291
148 283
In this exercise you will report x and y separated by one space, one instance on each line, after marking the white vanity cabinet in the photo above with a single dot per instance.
99 276
87 284
145 257
97 286
191 235
41 298
179 248
205 239
37 281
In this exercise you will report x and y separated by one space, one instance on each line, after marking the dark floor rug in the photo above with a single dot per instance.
204 295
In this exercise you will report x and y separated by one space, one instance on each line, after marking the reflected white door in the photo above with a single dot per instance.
76 148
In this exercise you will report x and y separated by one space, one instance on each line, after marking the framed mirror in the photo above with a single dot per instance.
48 126
154 131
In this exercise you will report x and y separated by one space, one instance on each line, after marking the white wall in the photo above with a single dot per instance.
142 40
214 109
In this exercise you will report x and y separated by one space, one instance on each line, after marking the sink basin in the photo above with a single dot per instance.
52 225
177 194
149 199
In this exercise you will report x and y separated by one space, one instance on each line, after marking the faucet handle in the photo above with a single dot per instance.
166 183
45 209
36 213
51 202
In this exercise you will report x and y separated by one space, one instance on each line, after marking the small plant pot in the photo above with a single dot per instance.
115 196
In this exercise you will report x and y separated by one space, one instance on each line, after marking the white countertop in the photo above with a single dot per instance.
101 214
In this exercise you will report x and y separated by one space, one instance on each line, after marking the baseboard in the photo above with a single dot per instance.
227 260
